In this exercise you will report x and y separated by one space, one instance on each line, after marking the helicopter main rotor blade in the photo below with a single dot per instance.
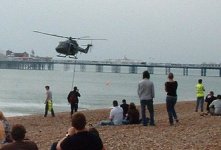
52 34
80 38
83 37
91 39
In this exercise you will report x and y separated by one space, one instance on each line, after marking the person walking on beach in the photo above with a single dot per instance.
171 98
146 94
73 99
199 95
48 102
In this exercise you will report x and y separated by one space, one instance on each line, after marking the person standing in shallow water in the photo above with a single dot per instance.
48 102
73 99
171 98
146 94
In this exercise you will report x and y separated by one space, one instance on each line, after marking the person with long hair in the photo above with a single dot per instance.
171 98
133 115
146 94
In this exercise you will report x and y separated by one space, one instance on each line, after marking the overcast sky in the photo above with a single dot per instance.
171 31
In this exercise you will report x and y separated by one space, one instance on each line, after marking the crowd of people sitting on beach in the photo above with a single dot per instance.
80 136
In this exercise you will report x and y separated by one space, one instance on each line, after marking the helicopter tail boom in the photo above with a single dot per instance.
86 49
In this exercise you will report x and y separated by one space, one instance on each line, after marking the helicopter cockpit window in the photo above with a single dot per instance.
63 45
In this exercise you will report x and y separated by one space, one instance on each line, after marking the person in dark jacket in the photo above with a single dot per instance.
209 99
73 99
125 107
171 98
19 141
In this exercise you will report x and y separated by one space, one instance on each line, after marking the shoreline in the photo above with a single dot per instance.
87 109
192 132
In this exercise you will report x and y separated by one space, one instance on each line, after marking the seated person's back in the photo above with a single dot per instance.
116 114
133 114
82 141
19 143
217 105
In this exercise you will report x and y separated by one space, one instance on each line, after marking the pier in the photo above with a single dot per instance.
26 65
100 65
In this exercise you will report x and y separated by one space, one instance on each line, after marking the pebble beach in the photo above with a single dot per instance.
195 130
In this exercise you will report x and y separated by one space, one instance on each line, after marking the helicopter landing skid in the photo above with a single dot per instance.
61 56
75 57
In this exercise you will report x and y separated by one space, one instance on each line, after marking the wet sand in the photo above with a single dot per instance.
194 131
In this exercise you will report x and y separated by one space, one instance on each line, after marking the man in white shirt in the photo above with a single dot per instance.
215 106
116 115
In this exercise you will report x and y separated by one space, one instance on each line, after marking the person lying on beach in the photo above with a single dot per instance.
116 115
78 136
19 141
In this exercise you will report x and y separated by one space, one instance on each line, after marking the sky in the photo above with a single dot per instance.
160 31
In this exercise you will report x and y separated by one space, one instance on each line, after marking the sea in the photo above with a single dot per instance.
22 92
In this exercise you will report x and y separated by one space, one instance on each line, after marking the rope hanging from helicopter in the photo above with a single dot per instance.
72 86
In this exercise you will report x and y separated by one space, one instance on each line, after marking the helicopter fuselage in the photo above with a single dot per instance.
70 47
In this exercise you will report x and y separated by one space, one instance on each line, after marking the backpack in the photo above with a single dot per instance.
72 99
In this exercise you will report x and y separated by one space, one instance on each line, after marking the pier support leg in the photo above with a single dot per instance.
185 71
99 68
203 72
116 69
82 68
132 69
167 70
150 70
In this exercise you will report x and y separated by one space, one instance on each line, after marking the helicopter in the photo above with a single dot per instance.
70 46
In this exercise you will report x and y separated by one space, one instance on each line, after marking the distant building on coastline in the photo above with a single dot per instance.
10 55
125 60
